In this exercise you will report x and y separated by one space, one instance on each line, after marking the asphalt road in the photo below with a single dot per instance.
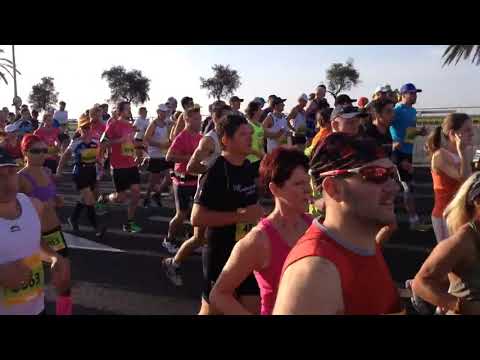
122 273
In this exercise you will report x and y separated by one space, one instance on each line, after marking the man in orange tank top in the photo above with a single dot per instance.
337 267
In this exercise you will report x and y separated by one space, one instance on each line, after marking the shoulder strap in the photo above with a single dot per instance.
30 179
270 230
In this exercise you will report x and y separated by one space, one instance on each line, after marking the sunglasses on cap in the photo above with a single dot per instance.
38 151
372 174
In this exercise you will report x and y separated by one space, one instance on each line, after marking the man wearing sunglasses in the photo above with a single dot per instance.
337 267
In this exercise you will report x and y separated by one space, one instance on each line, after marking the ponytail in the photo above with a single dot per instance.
434 141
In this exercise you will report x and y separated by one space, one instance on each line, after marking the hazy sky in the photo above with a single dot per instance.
286 71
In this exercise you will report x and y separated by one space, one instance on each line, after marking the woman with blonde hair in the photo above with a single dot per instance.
450 277
449 146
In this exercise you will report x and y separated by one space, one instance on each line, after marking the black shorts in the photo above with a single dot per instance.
51 164
256 168
184 195
56 241
123 179
157 165
86 177
397 158
212 268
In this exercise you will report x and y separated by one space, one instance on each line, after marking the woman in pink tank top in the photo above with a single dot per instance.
264 249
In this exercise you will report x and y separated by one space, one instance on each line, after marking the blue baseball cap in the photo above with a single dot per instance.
409 88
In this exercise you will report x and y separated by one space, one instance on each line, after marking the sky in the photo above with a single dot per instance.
286 70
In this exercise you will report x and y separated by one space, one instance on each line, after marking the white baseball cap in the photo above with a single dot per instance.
380 89
303 97
163 108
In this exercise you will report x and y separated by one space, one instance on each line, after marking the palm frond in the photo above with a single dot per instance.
455 53
2 75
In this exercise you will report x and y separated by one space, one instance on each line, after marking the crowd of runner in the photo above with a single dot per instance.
332 173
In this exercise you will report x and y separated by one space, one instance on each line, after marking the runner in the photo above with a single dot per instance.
85 152
119 135
235 103
323 119
337 267
260 101
34 120
269 109
275 126
297 122
141 125
404 130
22 251
344 100
254 112
232 178
105 115
346 119
450 147
362 102
60 120
187 102
265 248
24 125
380 93
97 128
156 137
3 121
11 143
456 257
184 184
204 156
317 103
36 181
50 136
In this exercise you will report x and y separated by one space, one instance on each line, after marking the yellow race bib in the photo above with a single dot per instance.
89 155
30 290
128 149
52 150
410 135
241 230
55 241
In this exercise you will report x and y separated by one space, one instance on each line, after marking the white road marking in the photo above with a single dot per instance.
77 242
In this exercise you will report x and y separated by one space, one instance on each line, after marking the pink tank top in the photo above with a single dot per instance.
269 278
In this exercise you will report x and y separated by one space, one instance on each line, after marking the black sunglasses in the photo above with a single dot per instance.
38 151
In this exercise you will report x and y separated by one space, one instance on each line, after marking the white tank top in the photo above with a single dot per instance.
279 122
300 121
20 239
161 135
208 162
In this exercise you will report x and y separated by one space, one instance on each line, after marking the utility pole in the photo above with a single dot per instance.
16 100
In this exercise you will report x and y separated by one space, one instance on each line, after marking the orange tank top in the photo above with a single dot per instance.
444 189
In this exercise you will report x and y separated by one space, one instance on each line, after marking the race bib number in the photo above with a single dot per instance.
128 149
31 289
52 150
410 135
241 230
55 241
89 155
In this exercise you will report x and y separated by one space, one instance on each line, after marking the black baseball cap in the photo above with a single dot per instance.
347 112
235 98
6 159
344 98
278 100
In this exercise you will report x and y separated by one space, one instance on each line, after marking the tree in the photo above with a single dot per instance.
223 83
43 94
456 52
129 86
6 65
342 77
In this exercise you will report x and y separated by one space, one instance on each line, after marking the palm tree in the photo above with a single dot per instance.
456 52
5 64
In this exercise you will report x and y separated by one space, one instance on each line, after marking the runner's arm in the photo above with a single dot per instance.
267 125
202 216
310 107
249 254
431 282
203 150
460 173
292 116
67 155
175 157
310 286
177 128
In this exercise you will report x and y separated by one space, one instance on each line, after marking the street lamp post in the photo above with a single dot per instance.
16 100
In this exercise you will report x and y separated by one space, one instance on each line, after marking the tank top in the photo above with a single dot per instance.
42 193
279 122
268 279
367 286
160 135
20 239
469 286
209 161
257 141
300 122
444 189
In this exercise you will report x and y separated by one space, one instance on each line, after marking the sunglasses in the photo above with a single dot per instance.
372 174
38 151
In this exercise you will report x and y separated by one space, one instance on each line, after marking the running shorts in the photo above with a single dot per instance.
123 179
157 165
51 164
86 177
184 195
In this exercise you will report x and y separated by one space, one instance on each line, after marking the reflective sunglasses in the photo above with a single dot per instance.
38 151
373 174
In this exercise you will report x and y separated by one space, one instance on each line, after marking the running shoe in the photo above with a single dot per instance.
421 306
101 232
102 199
171 248
131 227
73 224
172 272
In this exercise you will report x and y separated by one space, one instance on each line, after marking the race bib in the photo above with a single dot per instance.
241 230
30 290
55 241
410 135
89 155
128 149
52 150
